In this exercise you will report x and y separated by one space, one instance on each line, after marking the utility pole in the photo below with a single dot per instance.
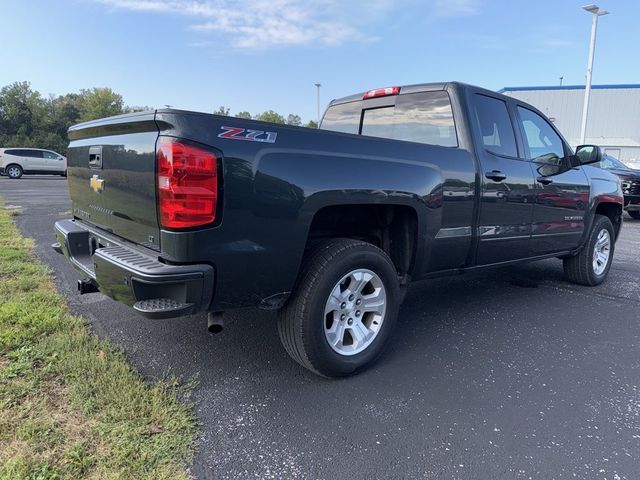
561 80
596 12
318 85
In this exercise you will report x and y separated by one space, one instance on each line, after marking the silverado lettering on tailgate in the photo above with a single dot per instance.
250 135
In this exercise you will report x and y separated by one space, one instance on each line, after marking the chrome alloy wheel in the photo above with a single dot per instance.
601 252
13 171
354 312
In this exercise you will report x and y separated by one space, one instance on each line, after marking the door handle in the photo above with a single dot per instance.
544 180
495 175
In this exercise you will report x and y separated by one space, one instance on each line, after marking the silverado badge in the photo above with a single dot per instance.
96 183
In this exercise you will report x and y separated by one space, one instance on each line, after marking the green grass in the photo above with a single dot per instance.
70 404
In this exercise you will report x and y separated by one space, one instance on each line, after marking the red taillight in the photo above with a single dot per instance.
187 184
381 92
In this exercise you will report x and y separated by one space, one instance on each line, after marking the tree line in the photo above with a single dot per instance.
268 116
28 119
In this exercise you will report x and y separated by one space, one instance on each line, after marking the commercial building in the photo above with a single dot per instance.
613 120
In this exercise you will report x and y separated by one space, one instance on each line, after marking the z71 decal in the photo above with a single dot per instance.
249 135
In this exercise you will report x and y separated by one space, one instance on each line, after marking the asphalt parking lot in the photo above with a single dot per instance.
509 374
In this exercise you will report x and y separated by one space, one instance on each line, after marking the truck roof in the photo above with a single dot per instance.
404 89
414 88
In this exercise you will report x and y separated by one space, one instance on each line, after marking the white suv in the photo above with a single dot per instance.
14 162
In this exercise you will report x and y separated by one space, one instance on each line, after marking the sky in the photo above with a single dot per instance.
257 55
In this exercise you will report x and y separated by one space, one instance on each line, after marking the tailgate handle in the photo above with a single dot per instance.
95 157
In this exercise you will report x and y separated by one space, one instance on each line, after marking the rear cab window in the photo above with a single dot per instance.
424 117
344 117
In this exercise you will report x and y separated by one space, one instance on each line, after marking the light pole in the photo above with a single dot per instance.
596 12
318 85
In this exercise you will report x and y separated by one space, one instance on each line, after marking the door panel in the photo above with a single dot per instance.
560 209
508 192
562 192
53 162
33 160
506 210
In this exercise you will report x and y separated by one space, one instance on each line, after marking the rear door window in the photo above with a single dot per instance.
33 153
424 117
495 126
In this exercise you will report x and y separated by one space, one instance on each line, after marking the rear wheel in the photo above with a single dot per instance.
591 266
343 310
635 215
13 171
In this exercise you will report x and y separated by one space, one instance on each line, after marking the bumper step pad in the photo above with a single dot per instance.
163 308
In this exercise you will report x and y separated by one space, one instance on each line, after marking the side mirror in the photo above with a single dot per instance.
587 154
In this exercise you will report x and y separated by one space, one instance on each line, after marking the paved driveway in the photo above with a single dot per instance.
508 374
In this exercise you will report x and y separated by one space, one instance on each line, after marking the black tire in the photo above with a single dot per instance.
10 169
580 268
635 215
301 324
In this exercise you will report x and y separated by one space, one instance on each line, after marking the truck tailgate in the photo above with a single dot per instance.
111 174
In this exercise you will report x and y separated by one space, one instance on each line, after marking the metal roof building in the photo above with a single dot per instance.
613 121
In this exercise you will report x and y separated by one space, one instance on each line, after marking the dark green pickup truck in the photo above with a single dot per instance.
176 213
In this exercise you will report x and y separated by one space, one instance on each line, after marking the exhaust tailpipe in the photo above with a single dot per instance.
87 286
215 322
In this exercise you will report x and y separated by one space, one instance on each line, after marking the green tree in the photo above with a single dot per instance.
222 111
270 116
294 120
29 120
20 108
64 111
311 124
136 108
100 103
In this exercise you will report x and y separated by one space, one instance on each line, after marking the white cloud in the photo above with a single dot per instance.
254 24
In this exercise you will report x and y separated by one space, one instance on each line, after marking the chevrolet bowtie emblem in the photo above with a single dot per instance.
96 183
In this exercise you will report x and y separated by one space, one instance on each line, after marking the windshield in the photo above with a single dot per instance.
609 162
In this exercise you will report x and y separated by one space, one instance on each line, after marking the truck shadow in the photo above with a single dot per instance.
250 344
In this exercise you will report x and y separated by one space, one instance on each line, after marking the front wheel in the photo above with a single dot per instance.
634 214
14 171
591 266
343 310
